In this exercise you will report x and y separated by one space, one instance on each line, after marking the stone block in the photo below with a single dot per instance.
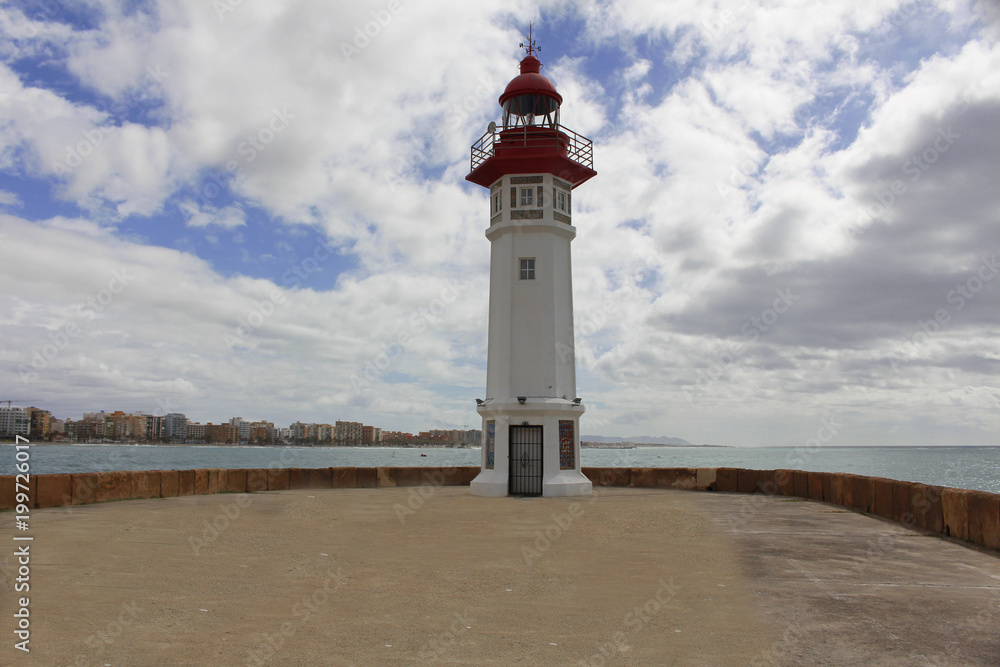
113 485
85 486
860 492
386 477
800 482
925 504
705 479
345 477
747 481
215 483
784 481
608 476
882 504
437 476
726 480
7 492
278 479
837 482
984 518
53 490
815 485
298 478
320 478
201 482
677 478
185 482
368 477
407 476
145 484
643 478
169 483
460 476
902 507
236 481
955 512
256 480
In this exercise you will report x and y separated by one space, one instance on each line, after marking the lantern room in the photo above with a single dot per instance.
531 138
530 99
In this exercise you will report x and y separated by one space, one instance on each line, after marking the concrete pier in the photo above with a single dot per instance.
427 574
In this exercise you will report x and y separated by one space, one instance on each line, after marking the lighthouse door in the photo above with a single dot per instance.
525 465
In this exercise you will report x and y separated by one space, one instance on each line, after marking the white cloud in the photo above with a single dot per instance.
715 191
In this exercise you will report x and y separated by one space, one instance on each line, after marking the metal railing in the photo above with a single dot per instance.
578 148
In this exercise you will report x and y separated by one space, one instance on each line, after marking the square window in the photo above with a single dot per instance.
527 197
528 269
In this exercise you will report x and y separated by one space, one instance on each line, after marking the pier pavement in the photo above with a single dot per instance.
433 575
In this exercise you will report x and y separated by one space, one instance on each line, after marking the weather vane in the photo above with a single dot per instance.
531 47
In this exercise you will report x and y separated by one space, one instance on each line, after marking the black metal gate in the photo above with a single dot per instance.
525 465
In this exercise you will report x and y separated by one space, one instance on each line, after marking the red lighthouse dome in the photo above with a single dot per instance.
530 93
532 140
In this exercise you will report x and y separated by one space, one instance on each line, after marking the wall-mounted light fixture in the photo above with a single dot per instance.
522 399
479 401
576 401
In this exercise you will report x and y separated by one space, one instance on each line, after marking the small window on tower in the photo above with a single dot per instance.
526 197
513 197
540 200
497 202
528 269
561 201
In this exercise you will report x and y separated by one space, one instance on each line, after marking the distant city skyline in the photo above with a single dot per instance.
176 427
263 211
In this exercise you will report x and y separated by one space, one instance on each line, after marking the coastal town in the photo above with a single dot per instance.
175 428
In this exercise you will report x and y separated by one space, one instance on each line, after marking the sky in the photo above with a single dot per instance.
259 209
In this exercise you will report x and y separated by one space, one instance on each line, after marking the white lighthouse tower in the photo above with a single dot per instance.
531 414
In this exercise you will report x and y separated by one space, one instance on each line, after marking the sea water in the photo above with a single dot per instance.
958 467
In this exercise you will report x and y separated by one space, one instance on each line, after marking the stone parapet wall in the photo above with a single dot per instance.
973 516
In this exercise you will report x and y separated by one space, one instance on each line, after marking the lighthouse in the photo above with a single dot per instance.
531 413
